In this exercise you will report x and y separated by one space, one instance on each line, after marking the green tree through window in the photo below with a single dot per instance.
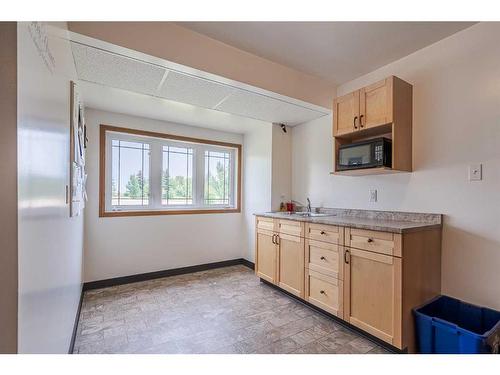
137 187
217 186
176 189
146 172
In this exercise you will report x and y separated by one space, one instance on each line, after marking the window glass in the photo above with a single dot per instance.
144 172
177 176
217 177
130 173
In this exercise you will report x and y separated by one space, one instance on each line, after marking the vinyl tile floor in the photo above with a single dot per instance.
221 311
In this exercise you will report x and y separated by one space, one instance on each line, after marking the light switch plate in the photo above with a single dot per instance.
373 195
475 172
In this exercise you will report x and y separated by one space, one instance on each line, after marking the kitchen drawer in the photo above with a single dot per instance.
326 233
290 227
325 258
378 242
265 223
325 292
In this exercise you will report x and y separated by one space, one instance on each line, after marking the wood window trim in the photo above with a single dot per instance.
103 128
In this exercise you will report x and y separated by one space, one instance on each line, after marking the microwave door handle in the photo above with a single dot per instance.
374 161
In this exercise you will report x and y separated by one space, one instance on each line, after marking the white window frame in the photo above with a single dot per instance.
156 142
194 174
201 174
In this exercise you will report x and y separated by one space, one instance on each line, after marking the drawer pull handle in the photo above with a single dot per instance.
322 232
322 258
370 240
322 292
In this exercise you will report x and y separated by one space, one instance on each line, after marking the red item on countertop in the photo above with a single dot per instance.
290 207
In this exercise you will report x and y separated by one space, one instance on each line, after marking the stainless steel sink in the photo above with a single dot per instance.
310 214
303 214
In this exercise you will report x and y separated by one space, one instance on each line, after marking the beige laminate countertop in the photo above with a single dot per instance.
429 221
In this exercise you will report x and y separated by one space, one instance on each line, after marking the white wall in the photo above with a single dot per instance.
281 166
50 242
257 181
121 246
456 122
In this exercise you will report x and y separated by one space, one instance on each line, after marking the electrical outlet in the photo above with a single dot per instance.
475 172
373 195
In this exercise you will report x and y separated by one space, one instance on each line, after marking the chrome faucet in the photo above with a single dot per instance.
309 205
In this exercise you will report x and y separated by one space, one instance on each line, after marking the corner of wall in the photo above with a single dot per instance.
257 180
281 172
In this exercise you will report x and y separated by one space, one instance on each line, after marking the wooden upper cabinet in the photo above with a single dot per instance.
382 109
346 113
375 104
381 103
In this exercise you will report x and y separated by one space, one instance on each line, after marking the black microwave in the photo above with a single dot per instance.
371 153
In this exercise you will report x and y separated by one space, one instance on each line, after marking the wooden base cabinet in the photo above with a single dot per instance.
371 279
266 256
280 253
291 264
324 267
266 251
372 294
324 291
324 257
385 276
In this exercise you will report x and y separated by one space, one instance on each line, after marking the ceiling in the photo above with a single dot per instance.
335 51
134 75
116 100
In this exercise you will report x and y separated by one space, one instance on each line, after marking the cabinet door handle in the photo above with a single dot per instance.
322 292
370 240
322 258
361 121
347 256
354 122
277 239
274 241
322 232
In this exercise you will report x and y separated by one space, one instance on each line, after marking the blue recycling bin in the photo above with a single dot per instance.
447 325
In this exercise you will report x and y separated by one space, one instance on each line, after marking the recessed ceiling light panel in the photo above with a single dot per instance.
193 90
98 66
